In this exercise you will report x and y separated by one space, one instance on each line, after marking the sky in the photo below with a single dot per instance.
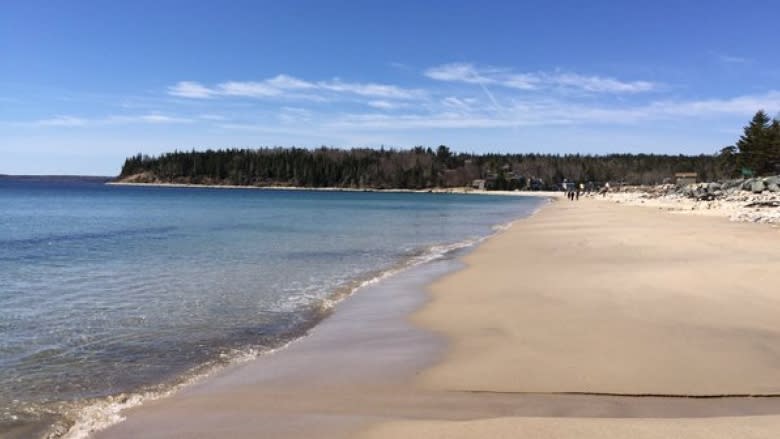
85 84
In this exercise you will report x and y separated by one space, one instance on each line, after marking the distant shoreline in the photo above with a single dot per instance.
458 190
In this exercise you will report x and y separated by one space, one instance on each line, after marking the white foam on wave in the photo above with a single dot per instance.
105 412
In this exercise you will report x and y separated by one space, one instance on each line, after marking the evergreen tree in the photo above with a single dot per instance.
754 144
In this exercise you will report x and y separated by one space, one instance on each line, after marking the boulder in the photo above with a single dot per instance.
772 181
734 184
757 187
773 187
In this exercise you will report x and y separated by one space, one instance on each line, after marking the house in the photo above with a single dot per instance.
685 178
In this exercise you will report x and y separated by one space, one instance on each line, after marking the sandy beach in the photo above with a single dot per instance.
589 319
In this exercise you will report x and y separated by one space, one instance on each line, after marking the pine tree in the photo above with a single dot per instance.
773 147
753 145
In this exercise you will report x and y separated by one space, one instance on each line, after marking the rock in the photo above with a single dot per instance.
757 187
772 181
735 184
773 187
747 185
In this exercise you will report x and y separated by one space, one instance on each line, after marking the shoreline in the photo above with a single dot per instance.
108 412
459 190
319 365
444 396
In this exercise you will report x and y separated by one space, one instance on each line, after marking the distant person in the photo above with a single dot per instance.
578 194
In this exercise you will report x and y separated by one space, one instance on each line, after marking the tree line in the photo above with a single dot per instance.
756 152
416 168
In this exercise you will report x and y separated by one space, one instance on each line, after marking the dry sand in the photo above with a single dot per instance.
594 298
585 297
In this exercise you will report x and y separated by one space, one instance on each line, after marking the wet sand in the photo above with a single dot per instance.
586 320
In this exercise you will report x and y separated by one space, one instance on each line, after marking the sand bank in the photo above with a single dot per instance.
589 319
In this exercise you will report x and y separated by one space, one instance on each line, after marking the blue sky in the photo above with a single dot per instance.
85 84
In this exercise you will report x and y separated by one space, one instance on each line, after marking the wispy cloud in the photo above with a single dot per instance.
152 118
730 59
599 84
291 115
74 121
291 87
61 121
463 72
216 117
471 74
190 89
385 105
551 112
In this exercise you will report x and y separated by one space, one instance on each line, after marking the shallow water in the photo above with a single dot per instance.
108 289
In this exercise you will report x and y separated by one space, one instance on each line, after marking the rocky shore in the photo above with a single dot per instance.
748 200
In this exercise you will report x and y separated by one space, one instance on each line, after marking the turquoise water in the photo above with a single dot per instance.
107 290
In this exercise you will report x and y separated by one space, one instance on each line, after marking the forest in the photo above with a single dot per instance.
756 152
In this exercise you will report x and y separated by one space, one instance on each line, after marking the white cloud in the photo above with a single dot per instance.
158 119
730 59
247 89
190 89
62 121
471 74
599 84
557 112
523 81
217 117
72 121
370 89
456 103
151 118
385 105
462 72
291 115
286 82
740 105
291 87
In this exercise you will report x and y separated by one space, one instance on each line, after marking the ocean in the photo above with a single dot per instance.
110 292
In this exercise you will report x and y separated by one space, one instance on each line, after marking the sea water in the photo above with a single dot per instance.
109 290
